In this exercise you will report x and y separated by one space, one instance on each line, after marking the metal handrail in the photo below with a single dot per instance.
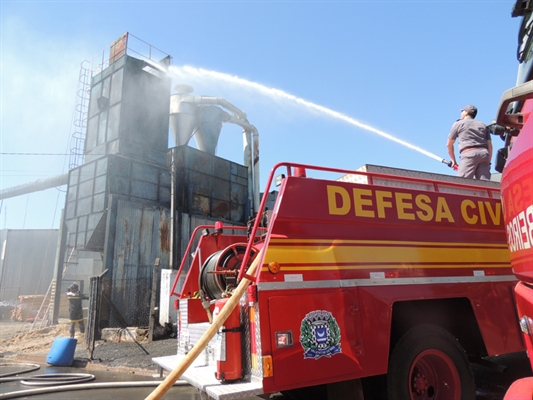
188 251
370 175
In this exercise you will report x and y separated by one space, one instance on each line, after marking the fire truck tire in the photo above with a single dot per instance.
429 363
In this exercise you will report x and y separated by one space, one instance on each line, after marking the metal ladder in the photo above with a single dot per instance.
45 318
49 299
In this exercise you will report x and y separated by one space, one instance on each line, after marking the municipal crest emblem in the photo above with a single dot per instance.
320 335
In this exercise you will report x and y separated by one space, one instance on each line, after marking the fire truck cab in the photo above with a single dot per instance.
514 124
373 279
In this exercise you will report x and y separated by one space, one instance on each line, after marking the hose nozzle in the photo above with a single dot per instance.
450 164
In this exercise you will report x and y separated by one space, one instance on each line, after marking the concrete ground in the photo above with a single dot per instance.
123 386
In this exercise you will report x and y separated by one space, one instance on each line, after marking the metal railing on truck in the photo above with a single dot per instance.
391 177
192 240
368 174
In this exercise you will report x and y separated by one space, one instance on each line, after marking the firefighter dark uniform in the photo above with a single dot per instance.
75 309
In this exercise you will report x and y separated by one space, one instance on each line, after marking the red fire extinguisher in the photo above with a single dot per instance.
228 350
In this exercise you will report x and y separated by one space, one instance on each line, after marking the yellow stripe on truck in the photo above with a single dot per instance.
341 256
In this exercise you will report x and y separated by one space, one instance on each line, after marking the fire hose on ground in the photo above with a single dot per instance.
30 367
172 378
51 379
85 386
62 382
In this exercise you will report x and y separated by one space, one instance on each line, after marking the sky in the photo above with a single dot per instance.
405 68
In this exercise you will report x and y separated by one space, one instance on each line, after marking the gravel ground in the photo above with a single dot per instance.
130 354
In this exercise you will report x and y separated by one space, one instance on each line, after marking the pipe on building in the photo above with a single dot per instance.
172 206
247 153
187 98
36 186
184 105
251 158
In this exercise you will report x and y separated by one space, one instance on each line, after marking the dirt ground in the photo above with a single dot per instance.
22 336
9 328
18 341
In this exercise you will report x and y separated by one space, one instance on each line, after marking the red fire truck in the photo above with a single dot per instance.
514 124
376 283
374 274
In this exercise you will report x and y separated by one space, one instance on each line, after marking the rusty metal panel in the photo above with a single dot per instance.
141 234
118 48
209 186
91 185
135 105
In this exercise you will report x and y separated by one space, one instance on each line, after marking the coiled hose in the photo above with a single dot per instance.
69 382
30 368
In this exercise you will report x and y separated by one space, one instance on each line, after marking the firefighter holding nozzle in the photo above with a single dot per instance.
75 310
475 145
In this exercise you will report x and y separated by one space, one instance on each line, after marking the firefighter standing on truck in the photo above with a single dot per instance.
475 145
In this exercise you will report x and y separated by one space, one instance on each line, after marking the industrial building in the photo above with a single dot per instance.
132 202
20 261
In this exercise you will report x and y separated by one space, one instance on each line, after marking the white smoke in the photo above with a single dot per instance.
39 77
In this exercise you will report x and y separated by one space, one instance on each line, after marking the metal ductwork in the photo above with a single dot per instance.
182 119
190 115
199 116
210 120
250 138
41 184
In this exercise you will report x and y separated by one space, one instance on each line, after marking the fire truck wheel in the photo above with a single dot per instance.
429 363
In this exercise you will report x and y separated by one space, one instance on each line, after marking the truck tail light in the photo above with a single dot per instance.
267 367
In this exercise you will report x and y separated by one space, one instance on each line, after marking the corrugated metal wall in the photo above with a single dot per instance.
210 186
27 260
141 234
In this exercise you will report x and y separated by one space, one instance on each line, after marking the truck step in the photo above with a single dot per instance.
203 378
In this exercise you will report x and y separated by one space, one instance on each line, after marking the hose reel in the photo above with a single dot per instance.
219 273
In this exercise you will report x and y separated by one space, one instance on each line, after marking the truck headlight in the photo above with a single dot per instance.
526 325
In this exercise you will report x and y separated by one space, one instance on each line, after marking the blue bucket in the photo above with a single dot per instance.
62 352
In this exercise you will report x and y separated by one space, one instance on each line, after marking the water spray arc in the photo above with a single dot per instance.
187 71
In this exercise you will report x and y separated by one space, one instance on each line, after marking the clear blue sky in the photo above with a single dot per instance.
403 67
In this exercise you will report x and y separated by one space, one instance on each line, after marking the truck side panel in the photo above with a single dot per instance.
367 248
378 303
310 315
517 191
